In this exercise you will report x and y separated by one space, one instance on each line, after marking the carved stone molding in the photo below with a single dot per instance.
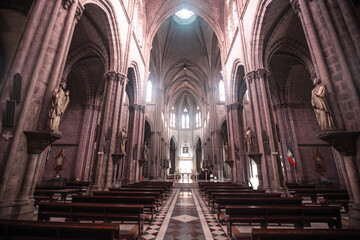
262 73
122 78
343 142
38 141
79 12
67 3
110 76
250 77
136 107
234 106
295 6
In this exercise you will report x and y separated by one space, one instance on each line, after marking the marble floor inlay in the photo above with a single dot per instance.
182 217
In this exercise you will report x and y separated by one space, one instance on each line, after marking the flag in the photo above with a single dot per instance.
291 157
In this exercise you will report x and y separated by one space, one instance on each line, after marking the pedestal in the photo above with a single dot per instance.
230 163
141 162
345 144
116 157
36 144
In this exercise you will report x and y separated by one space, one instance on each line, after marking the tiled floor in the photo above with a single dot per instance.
186 216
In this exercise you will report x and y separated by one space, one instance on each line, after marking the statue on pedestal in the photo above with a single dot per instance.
320 105
123 139
248 140
226 151
145 151
59 102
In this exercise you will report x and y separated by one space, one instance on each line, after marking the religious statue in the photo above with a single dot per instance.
320 105
59 102
248 139
226 151
123 139
145 151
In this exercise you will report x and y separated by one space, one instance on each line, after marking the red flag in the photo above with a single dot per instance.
291 157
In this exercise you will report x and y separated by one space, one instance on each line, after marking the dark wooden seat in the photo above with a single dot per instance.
149 202
106 212
313 193
158 196
298 215
337 198
223 202
213 195
21 230
308 234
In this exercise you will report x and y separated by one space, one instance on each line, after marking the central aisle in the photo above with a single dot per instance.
185 216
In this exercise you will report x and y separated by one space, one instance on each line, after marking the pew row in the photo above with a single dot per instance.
21 230
300 216
106 212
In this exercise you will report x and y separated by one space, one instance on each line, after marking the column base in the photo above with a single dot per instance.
354 215
17 210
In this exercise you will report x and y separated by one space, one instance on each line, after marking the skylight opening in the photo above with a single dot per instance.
184 16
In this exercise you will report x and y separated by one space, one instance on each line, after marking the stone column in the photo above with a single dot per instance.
347 143
106 142
287 131
85 141
135 132
34 59
90 154
260 102
215 153
236 143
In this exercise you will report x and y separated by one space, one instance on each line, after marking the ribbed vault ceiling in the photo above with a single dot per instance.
184 58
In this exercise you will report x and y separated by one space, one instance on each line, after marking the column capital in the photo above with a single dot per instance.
295 6
110 76
234 106
79 12
258 73
137 107
122 78
67 4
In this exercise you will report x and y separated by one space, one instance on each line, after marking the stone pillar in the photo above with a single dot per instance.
34 59
236 143
109 124
216 152
260 102
86 141
347 144
135 142
286 131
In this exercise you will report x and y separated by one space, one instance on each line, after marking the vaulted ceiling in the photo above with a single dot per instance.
184 59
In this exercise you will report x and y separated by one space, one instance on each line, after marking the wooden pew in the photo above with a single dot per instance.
158 196
337 198
214 195
308 234
297 215
21 230
106 212
164 192
51 192
315 192
223 202
149 202
209 195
